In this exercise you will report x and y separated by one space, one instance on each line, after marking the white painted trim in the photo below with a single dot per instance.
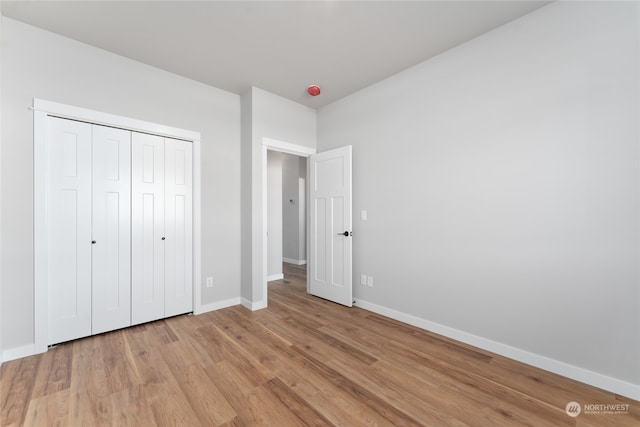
286 147
265 227
295 261
218 305
19 352
275 277
308 221
42 110
197 224
40 174
100 118
561 368
283 147
253 306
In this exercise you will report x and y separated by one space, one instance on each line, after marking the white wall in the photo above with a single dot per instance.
274 215
264 115
501 180
36 63
246 205
294 173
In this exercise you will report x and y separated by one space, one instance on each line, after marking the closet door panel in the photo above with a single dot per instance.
69 230
111 308
147 228
178 227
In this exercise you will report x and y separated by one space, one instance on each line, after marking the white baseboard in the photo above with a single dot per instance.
595 379
18 352
217 305
253 306
294 261
275 277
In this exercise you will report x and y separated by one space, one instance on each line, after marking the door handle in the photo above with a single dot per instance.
346 234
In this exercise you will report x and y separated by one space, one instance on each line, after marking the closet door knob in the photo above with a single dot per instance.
93 242
163 238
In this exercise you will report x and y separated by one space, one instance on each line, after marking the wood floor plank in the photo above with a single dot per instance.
281 310
16 386
299 406
51 409
189 331
244 360
341 405
130 407
266 409
242 395
315 341
89 383
118 361
170 407
388 411
209 405
301 361
147 360
236 422
54 372
338 406
406 393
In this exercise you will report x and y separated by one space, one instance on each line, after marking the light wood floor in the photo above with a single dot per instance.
302 361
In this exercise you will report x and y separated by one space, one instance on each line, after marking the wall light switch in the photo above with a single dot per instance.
370 282
363 280
209 282
363 215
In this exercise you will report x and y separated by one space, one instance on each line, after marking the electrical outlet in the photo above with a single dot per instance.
370 282
363 280
209 282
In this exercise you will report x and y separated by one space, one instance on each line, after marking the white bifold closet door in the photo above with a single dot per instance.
111 255
69 230
147 233
178 249
161 245
88 241
120 230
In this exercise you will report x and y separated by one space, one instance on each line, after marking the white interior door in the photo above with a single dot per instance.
111 254
330 225
178 227
147 227
69 230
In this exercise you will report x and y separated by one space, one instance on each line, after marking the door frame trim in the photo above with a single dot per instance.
41 111
283 147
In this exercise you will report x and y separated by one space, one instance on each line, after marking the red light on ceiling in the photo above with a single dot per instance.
314 90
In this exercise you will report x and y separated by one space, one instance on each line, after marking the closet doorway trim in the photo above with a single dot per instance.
42 110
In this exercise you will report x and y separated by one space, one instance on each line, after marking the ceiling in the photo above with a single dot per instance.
278 46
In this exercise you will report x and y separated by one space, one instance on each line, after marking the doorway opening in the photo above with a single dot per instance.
286 212
329 223
272 145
